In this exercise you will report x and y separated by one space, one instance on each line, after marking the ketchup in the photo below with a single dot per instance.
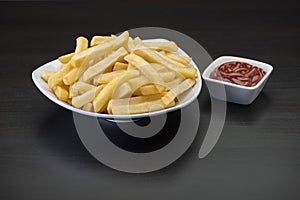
239 73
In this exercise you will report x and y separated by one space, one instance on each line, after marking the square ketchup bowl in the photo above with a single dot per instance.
232 92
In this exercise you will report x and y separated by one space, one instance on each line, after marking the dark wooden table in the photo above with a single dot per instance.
257 156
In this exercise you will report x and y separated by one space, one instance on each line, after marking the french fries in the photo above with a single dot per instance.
107 93
176 91
106 77
86 97
46 74
139 104
66 58
153 56
123 91
71 76
181 59
58 76
120 66
79 88
167 46
88 107
119 75
148 90
96 40
61 93
82 44
144 107
101 66
146 69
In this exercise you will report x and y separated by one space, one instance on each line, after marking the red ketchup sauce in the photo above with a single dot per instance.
239 73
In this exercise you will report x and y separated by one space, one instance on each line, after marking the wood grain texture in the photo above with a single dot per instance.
257 156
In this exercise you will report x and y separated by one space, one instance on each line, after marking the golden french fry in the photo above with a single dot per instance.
88 107
120 66
137 92
71 76
173 62
79 88
144 107
153 56
58 76
173 83
137 82
91 58
123 91
159 67
81 44
96 40
91 55
130 66
137 108
66 58
94 54
69 101
45 74
130 45
108 61
174 92
148 90
145 68
120 41
108 108
136 99
109 69
86 97
137 42
181 59
167 76
61 84
166 46
106 77
61 93
106 94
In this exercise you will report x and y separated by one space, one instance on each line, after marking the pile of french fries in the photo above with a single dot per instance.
120 75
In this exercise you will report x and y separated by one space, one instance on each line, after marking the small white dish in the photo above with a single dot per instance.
185 99
235 93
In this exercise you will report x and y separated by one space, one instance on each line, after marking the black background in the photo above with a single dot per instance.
257 156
